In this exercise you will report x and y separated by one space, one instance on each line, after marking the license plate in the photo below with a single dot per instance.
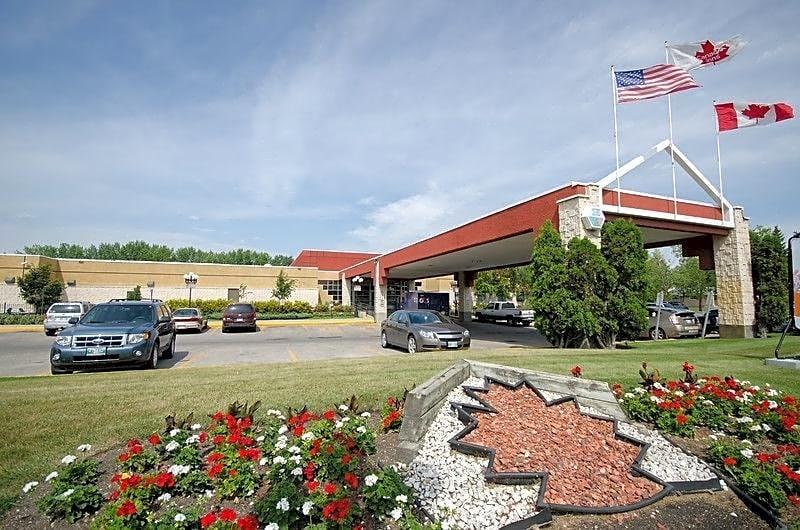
96 350
452 344
239 320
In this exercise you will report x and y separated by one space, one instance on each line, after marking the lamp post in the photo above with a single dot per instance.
357 281
190 279
151 285
454 286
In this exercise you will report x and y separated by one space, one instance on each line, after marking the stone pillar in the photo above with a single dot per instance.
569 215
737 313
465 297
346 288
380 288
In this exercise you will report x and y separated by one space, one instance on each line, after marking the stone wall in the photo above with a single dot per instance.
732 264
569 216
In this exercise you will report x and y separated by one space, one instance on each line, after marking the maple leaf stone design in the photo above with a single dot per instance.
585 464
709 53
755 111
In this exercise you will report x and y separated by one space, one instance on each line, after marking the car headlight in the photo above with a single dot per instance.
430 335
466 333
134 338
64 340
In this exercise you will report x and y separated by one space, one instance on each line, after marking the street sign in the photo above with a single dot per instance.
660 298
356 287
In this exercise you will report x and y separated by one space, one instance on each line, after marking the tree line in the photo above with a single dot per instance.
143 251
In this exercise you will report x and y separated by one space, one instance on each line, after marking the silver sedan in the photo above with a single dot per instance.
419 330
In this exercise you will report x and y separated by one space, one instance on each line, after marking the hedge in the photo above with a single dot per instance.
269 306
287 316
27 318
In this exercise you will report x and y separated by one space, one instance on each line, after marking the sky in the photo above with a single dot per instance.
361 125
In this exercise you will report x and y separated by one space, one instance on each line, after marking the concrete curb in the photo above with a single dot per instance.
216 324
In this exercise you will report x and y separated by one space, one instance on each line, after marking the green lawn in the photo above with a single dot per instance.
44 418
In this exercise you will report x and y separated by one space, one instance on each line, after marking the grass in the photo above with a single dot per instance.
44 418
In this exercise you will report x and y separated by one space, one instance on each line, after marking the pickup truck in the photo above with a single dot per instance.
507 311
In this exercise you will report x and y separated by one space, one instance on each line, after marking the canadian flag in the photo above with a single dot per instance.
737 115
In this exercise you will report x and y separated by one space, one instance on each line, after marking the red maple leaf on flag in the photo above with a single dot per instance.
709 53
755 111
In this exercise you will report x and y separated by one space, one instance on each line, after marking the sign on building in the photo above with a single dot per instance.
794 251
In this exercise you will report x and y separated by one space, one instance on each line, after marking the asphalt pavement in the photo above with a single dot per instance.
27 353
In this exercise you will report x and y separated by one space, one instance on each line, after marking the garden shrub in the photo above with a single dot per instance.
20 319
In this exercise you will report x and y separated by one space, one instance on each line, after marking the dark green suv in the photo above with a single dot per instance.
117 333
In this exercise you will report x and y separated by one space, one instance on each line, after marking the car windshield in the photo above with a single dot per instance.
65 308
119 314
424 317
240 308
185 312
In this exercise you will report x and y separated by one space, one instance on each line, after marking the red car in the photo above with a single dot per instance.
239 316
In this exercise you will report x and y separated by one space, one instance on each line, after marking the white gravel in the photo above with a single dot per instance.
663 459
450 485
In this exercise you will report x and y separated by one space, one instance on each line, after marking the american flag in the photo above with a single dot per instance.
658 80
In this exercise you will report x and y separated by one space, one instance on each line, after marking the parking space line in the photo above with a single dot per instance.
293 357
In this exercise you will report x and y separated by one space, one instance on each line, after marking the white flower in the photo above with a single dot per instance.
263 461
343 407
260 439
755 388
307 507
629 395
29 486
294 449
307 436
655 399
361 429
84 448
193 439
283 429
370 480
273 412
397 513
177 469
640 390
174 432
164 497
679 393
744 419
195 427
747 442
345 419
366 415
69 459
172 446
755 427
209 493
297 471
66 493
707 402
296 458
658 386
179 518
51 476
283 504
272 526
772 392
772 405
279 460
747 453
281 442
766 427
401 498
338 424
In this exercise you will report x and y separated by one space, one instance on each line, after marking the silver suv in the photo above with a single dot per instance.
674 323
58 315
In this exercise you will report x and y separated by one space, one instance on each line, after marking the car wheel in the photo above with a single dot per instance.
527 323
57 371
224 329
170 353
384 340
49 332
661 334
153 364
412 344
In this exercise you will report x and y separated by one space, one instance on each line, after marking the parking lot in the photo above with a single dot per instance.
27 353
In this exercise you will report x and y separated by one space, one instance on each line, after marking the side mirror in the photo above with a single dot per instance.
73 320
165 319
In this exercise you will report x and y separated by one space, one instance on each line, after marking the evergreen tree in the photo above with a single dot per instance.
770 273
550 299
39 289
590 282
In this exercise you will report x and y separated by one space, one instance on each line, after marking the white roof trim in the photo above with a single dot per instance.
690 219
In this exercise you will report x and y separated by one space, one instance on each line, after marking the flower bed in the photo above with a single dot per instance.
299 470
749 431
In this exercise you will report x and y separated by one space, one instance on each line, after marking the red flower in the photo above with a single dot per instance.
245 423
208 519
214 470
248 522
154 439
232 472
329 488
123 457
351 480
203 437
576 371
794 499
227 515
113 496
789 400
215 457
218 439
314 447
346 459
298 431
687 367
217 416
165 480
391 402
234 437
681 419
136 449
729 461
126 508
788 422
308 471
337 510
329 415
312 486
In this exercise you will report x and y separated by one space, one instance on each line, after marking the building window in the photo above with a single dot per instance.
333 288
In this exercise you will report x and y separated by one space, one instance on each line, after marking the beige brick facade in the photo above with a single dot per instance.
732 264
569 216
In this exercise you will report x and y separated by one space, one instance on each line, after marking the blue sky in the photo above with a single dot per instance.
360 125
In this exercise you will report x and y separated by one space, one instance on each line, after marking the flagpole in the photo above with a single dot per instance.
719 166
671 144
616 133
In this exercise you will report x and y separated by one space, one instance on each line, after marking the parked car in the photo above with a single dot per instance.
506 311
422 330
189 318
677 304
713 321
115 334
239 316
674 323
57 316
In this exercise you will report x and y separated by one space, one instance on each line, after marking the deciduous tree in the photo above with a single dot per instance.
283 287
38 288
